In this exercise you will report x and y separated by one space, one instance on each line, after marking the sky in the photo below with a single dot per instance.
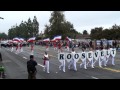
82 20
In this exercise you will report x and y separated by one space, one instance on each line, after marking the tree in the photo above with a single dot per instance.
59 26
3 36
35 26
85 32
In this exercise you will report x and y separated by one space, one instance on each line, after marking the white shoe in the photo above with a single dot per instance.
48 72
63 71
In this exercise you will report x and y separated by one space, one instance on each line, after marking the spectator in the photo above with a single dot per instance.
31 68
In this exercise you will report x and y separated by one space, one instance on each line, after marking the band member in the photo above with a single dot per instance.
17 48
107 54
32 48
59 47
62 66
47 47
103 56
83 58
72 62
90 58
67 45
112 55
11 47
97 57
46 62
21 49
55 46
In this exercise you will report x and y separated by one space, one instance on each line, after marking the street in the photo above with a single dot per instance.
16 67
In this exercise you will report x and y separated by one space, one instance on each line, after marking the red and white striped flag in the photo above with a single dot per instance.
31 39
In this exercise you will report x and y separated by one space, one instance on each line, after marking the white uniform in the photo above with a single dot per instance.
97 57
113 55
12 48
62 66
72 62
46 67
90 59
105 58
107 55
83 58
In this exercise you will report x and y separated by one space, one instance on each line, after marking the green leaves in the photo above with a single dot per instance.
59 26
111 33
25 29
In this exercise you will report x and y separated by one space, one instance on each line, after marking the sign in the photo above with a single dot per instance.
108 53
68 57
113 52
61 57
83 56
76 56
90 55
96 54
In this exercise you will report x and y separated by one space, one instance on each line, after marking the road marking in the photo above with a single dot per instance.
24 57
110 69
94 77
40 65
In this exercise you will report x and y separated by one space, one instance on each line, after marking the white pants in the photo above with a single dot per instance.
83 63
47 66
72 62
104 61
67 48
21 50
91 63
99 61
62 65
55 48
32 53
59 50
17 51
47 49
12 49
113 61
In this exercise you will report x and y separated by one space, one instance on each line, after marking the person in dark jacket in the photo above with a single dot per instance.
31 68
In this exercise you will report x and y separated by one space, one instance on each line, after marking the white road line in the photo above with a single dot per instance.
40 65
94 77
24 57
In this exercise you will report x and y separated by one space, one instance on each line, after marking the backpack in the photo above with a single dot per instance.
30 67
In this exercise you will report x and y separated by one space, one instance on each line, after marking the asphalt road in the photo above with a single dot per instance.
15 66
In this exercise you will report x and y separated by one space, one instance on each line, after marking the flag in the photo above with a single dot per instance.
21 39
57 37
46 40
53 40
31 39
16 39
69 39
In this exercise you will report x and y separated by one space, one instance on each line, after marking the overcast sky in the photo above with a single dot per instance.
82 20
